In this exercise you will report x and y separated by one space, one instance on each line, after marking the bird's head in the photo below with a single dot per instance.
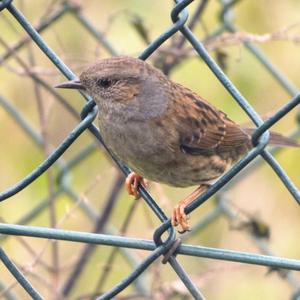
122 82
113 79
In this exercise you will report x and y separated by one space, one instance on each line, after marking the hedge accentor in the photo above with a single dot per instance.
162 130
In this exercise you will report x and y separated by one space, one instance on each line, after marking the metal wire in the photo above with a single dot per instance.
159 246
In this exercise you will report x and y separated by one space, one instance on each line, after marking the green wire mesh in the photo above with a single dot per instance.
164 244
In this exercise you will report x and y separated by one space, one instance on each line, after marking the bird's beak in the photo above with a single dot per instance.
72 84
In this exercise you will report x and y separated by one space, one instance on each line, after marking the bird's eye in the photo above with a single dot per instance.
105 83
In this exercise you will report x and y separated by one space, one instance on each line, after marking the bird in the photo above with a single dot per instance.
162 130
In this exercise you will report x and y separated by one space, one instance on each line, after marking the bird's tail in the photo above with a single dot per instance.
276 139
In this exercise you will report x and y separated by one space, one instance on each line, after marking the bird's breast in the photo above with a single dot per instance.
135 143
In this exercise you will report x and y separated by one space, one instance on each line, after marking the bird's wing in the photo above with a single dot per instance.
202 128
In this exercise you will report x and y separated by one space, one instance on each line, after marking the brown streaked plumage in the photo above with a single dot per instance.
162 130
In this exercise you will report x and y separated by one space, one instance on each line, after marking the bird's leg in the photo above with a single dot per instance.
179 217
132 182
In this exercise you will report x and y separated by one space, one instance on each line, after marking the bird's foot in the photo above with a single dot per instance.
179 217
132 182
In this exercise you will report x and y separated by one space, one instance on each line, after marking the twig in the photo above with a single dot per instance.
98 227
107 268
174 55
43 118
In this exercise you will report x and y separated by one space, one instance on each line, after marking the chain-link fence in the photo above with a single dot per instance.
165 245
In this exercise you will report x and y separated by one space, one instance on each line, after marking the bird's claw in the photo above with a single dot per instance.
132 182
179 217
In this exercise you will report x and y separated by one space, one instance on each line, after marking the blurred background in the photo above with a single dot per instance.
84 190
